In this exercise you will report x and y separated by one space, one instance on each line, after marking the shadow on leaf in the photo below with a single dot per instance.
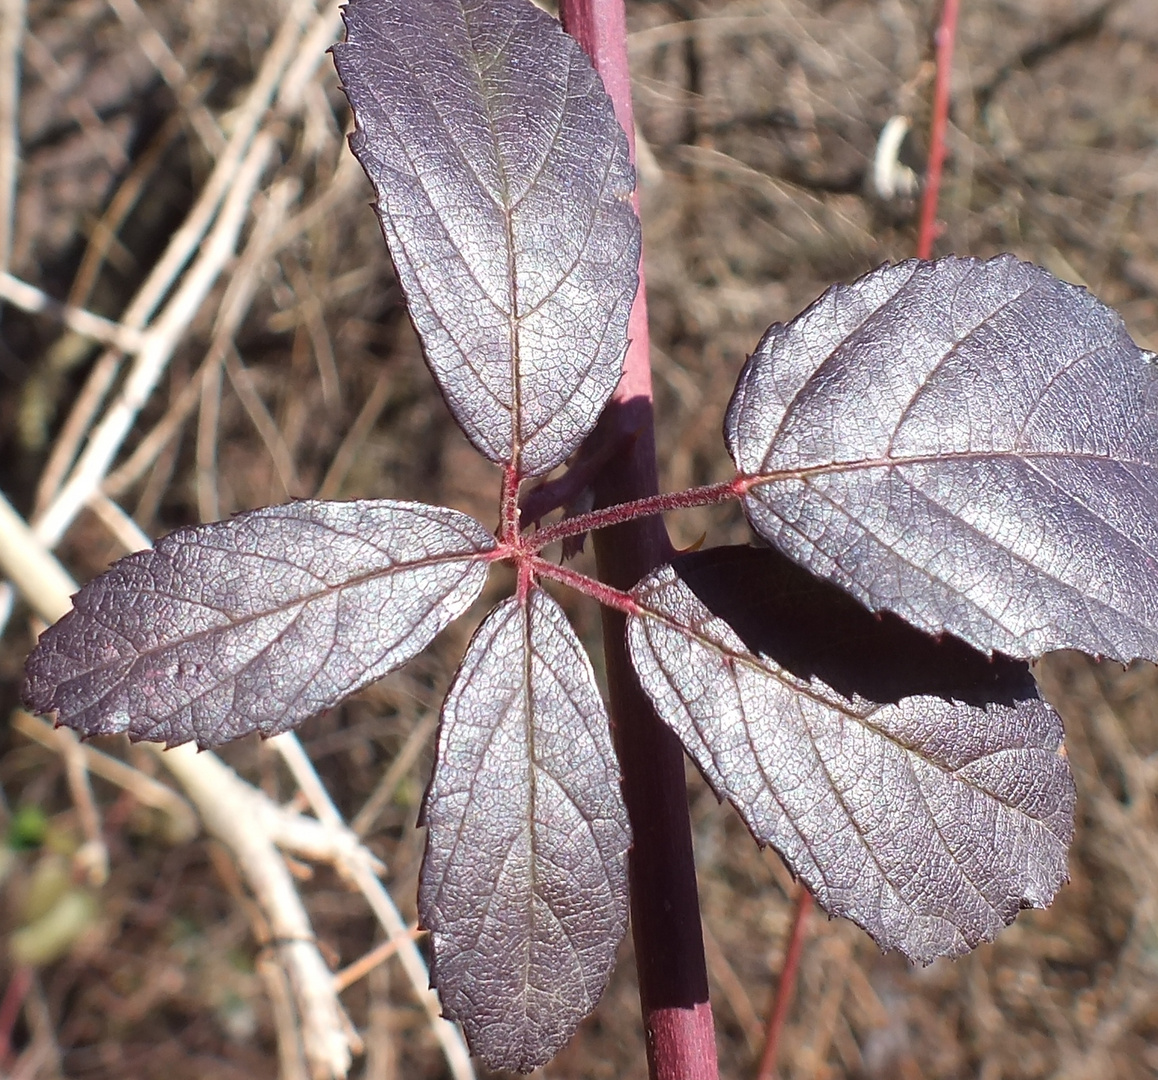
814 629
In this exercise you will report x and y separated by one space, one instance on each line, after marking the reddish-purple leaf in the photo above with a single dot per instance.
504 191
926 821
524 885
972 445
256 623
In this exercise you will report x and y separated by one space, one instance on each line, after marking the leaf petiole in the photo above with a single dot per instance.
607 595
708 495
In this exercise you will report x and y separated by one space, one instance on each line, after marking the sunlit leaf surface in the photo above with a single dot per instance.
929 822
504 190
524 885
972 445
255 623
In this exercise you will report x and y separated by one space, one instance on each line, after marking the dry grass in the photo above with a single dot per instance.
290 370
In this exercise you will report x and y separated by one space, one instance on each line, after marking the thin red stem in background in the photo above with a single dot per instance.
946 35
785 989
665 914
15 993
926 234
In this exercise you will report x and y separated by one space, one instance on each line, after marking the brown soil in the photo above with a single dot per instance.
759 120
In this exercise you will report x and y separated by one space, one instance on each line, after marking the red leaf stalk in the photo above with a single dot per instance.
946 35
665 916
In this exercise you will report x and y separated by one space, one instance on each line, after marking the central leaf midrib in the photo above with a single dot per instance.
532 785
806 472
301 602
804 689
504 195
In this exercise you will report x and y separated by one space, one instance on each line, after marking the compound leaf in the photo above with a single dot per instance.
927 821
256 623
524 885
504 191
972 445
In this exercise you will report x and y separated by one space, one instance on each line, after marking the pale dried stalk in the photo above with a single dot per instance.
80 417
12 16
162 433
161 339
29 298
252 827
233 810
82 111
245 121
290 1054
361 872
267 237
315 44
205 458
183 824
31 569
367 817
235 306
123 528
242 817
103 233
227 172
158 53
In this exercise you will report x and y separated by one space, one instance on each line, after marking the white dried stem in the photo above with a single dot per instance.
384 790
12 25
158 53
361 872
183 824
123 528
84 408
266 427
31 299
228 171
311 53
160 340
33 571
233 811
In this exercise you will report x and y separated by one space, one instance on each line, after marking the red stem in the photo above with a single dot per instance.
787 986
665 916
605 594
509 508
946 35
637 508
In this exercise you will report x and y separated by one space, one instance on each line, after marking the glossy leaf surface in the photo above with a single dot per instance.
504 190
929 822
972 445
524 885
256 623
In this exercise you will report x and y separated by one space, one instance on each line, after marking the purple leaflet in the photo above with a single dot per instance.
504 192
928 822
524 885
972 445
256 623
